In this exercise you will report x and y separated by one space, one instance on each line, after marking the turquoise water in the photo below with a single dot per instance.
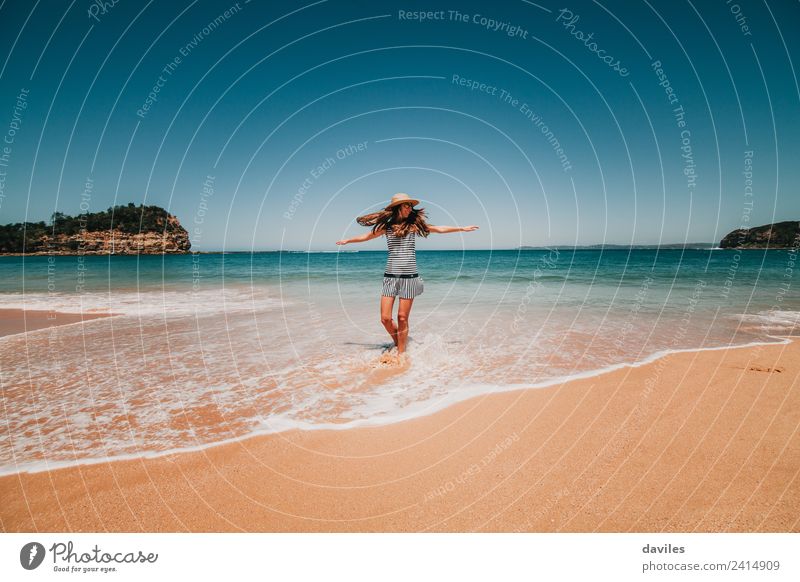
205 348
754 269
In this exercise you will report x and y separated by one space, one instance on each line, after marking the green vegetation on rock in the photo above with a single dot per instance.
121 229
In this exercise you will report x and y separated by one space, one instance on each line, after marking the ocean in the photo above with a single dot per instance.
208 348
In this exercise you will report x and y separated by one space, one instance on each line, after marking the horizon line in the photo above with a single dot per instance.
694 246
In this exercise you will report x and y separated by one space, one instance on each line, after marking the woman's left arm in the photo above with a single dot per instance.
446 229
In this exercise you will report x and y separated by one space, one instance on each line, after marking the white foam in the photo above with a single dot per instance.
147 303
285 421
774 319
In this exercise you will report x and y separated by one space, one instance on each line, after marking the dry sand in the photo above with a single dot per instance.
696 441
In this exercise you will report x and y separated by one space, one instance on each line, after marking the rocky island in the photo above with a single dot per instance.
780 235
120 230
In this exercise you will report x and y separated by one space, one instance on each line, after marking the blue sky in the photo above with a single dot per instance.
274 124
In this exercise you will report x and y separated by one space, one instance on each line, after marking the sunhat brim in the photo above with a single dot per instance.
411 201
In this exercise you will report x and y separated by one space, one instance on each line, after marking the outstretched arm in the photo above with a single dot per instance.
363 238
446 229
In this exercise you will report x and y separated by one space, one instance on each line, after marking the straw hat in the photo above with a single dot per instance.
401 198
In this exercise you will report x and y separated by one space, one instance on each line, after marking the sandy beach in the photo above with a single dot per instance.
703 441
13 321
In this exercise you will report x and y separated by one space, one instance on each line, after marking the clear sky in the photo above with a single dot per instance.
266 125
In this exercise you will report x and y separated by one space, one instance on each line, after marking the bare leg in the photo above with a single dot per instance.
387 304
402 323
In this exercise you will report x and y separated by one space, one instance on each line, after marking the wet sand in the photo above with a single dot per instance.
13 321
703 441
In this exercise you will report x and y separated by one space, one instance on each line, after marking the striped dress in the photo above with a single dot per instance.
401 277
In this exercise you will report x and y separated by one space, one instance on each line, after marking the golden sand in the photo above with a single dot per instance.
701 441
14 321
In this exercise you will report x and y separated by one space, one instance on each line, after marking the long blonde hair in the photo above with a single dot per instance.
415 221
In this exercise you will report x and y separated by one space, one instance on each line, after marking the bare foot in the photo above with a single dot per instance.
389 357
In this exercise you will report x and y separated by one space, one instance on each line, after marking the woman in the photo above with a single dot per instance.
401 223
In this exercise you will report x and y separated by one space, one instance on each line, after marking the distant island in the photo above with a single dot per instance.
780 235
120 230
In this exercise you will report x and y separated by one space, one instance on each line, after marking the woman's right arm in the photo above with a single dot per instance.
363 238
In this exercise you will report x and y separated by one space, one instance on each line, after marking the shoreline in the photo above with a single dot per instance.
15 321
289 426
460 468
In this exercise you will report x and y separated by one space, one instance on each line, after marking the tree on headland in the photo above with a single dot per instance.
778 235
128 219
